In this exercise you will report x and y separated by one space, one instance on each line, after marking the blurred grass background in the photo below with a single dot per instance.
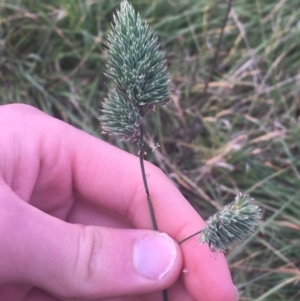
242 134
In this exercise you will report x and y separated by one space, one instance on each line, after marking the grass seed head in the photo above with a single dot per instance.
232 225
120 117
134 62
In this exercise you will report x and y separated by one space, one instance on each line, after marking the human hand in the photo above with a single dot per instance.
54 179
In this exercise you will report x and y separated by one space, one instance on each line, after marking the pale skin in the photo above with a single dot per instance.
73 209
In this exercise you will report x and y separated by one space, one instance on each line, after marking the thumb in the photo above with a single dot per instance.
81 262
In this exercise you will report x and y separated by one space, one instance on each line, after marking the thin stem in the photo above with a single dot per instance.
141 154
151 209
165 294
213 66
199 232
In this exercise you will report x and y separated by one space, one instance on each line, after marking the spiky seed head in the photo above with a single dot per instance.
134 61
232 225
120 117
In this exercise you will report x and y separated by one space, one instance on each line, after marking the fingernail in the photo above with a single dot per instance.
236 293
154 255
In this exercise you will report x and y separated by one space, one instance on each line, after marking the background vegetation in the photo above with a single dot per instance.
241 133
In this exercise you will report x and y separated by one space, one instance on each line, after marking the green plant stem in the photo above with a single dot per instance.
151 209
141 155
199 232
214 64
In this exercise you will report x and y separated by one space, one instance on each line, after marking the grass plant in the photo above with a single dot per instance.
241 135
